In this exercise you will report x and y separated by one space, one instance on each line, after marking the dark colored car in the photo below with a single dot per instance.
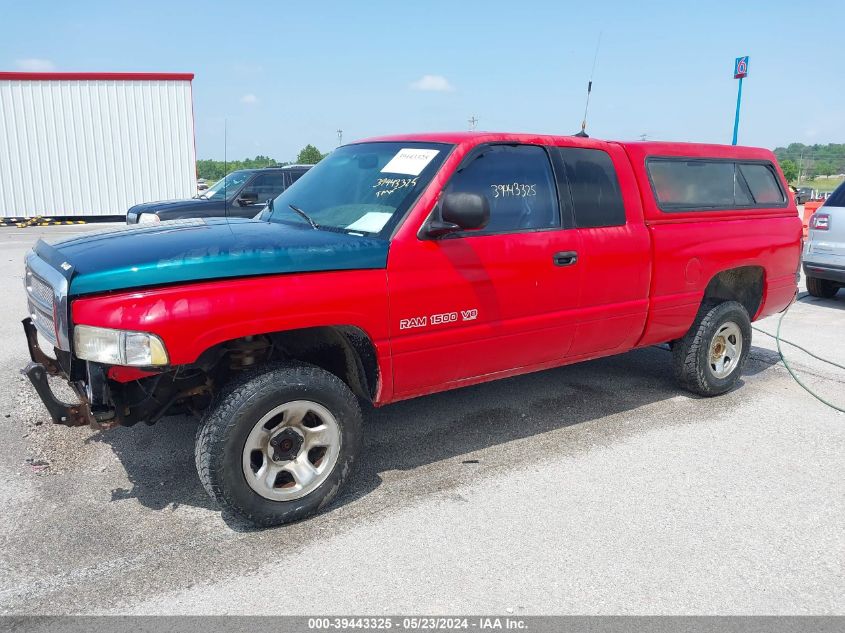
241 194
803 194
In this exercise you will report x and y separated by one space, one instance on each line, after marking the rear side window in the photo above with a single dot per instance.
761 181
596 198
684 184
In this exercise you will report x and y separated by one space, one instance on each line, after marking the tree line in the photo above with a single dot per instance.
811 161
214 170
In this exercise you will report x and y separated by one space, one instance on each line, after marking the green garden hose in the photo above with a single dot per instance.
779 340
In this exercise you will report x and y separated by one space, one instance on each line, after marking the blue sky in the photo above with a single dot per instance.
284 74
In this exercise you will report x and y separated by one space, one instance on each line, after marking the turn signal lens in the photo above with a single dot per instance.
118 347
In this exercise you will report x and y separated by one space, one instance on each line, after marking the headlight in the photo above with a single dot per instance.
118 347
148 218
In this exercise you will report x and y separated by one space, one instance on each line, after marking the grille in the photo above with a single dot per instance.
41 300
40 291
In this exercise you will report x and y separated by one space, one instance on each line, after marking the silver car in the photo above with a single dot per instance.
824 251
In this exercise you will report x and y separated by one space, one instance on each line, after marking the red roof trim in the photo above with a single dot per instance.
52 76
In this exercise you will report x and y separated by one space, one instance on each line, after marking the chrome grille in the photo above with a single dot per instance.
47 296
41 301
40 291
44 323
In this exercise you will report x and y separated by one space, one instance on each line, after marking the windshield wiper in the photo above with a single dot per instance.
304 215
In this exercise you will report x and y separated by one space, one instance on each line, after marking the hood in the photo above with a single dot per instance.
172 205
202 249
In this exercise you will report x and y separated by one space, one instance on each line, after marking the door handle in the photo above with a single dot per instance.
565 258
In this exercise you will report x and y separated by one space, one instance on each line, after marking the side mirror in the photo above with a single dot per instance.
246 199
460 212
266 212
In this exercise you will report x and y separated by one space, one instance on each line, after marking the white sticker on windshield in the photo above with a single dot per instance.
410 161
370 222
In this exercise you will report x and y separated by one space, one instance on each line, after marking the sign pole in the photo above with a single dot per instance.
738 102
740 71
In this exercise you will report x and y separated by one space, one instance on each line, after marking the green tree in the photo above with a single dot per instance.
214 170
833 153
790 169
824 168
309 155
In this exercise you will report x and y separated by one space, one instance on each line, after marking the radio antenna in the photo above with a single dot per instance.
225 169
583 131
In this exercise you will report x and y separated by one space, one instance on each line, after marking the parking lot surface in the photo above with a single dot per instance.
596 488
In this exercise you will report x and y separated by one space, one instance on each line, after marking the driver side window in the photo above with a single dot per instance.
266 186
518 183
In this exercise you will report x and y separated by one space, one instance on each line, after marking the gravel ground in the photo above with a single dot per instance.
596 488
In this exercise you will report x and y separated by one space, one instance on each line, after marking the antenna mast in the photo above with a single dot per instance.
472 123
225 169
583 131
339 137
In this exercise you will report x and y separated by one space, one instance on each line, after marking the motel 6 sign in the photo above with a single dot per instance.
741 67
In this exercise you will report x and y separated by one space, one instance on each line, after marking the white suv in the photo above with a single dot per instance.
824 251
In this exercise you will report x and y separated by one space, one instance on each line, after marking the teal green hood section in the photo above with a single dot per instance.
202 249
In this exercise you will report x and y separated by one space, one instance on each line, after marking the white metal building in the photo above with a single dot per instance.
86 144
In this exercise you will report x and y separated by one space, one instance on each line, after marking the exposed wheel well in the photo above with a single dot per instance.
345 351
743 284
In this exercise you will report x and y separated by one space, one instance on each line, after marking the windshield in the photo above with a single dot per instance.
364 188
225 187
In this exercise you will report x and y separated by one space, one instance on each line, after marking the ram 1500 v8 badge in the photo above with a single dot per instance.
403 266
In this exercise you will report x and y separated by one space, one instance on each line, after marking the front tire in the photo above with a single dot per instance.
710 358
278 443
821 287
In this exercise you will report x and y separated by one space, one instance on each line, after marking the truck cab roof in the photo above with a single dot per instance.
642 148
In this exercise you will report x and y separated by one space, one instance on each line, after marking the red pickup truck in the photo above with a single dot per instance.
403 266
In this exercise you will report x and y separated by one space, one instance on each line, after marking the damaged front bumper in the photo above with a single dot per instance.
79 414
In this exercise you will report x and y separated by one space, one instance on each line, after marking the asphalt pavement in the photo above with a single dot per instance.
596 488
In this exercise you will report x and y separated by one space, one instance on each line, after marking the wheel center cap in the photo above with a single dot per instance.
718 348
286 445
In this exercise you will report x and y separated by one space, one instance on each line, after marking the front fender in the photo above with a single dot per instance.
191 318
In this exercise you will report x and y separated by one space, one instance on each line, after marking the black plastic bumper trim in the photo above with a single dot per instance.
827 272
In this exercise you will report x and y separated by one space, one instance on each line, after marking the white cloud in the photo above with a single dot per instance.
249 99
432 83
34 65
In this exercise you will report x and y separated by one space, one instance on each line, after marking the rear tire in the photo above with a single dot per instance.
710 358
278 443
821 287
